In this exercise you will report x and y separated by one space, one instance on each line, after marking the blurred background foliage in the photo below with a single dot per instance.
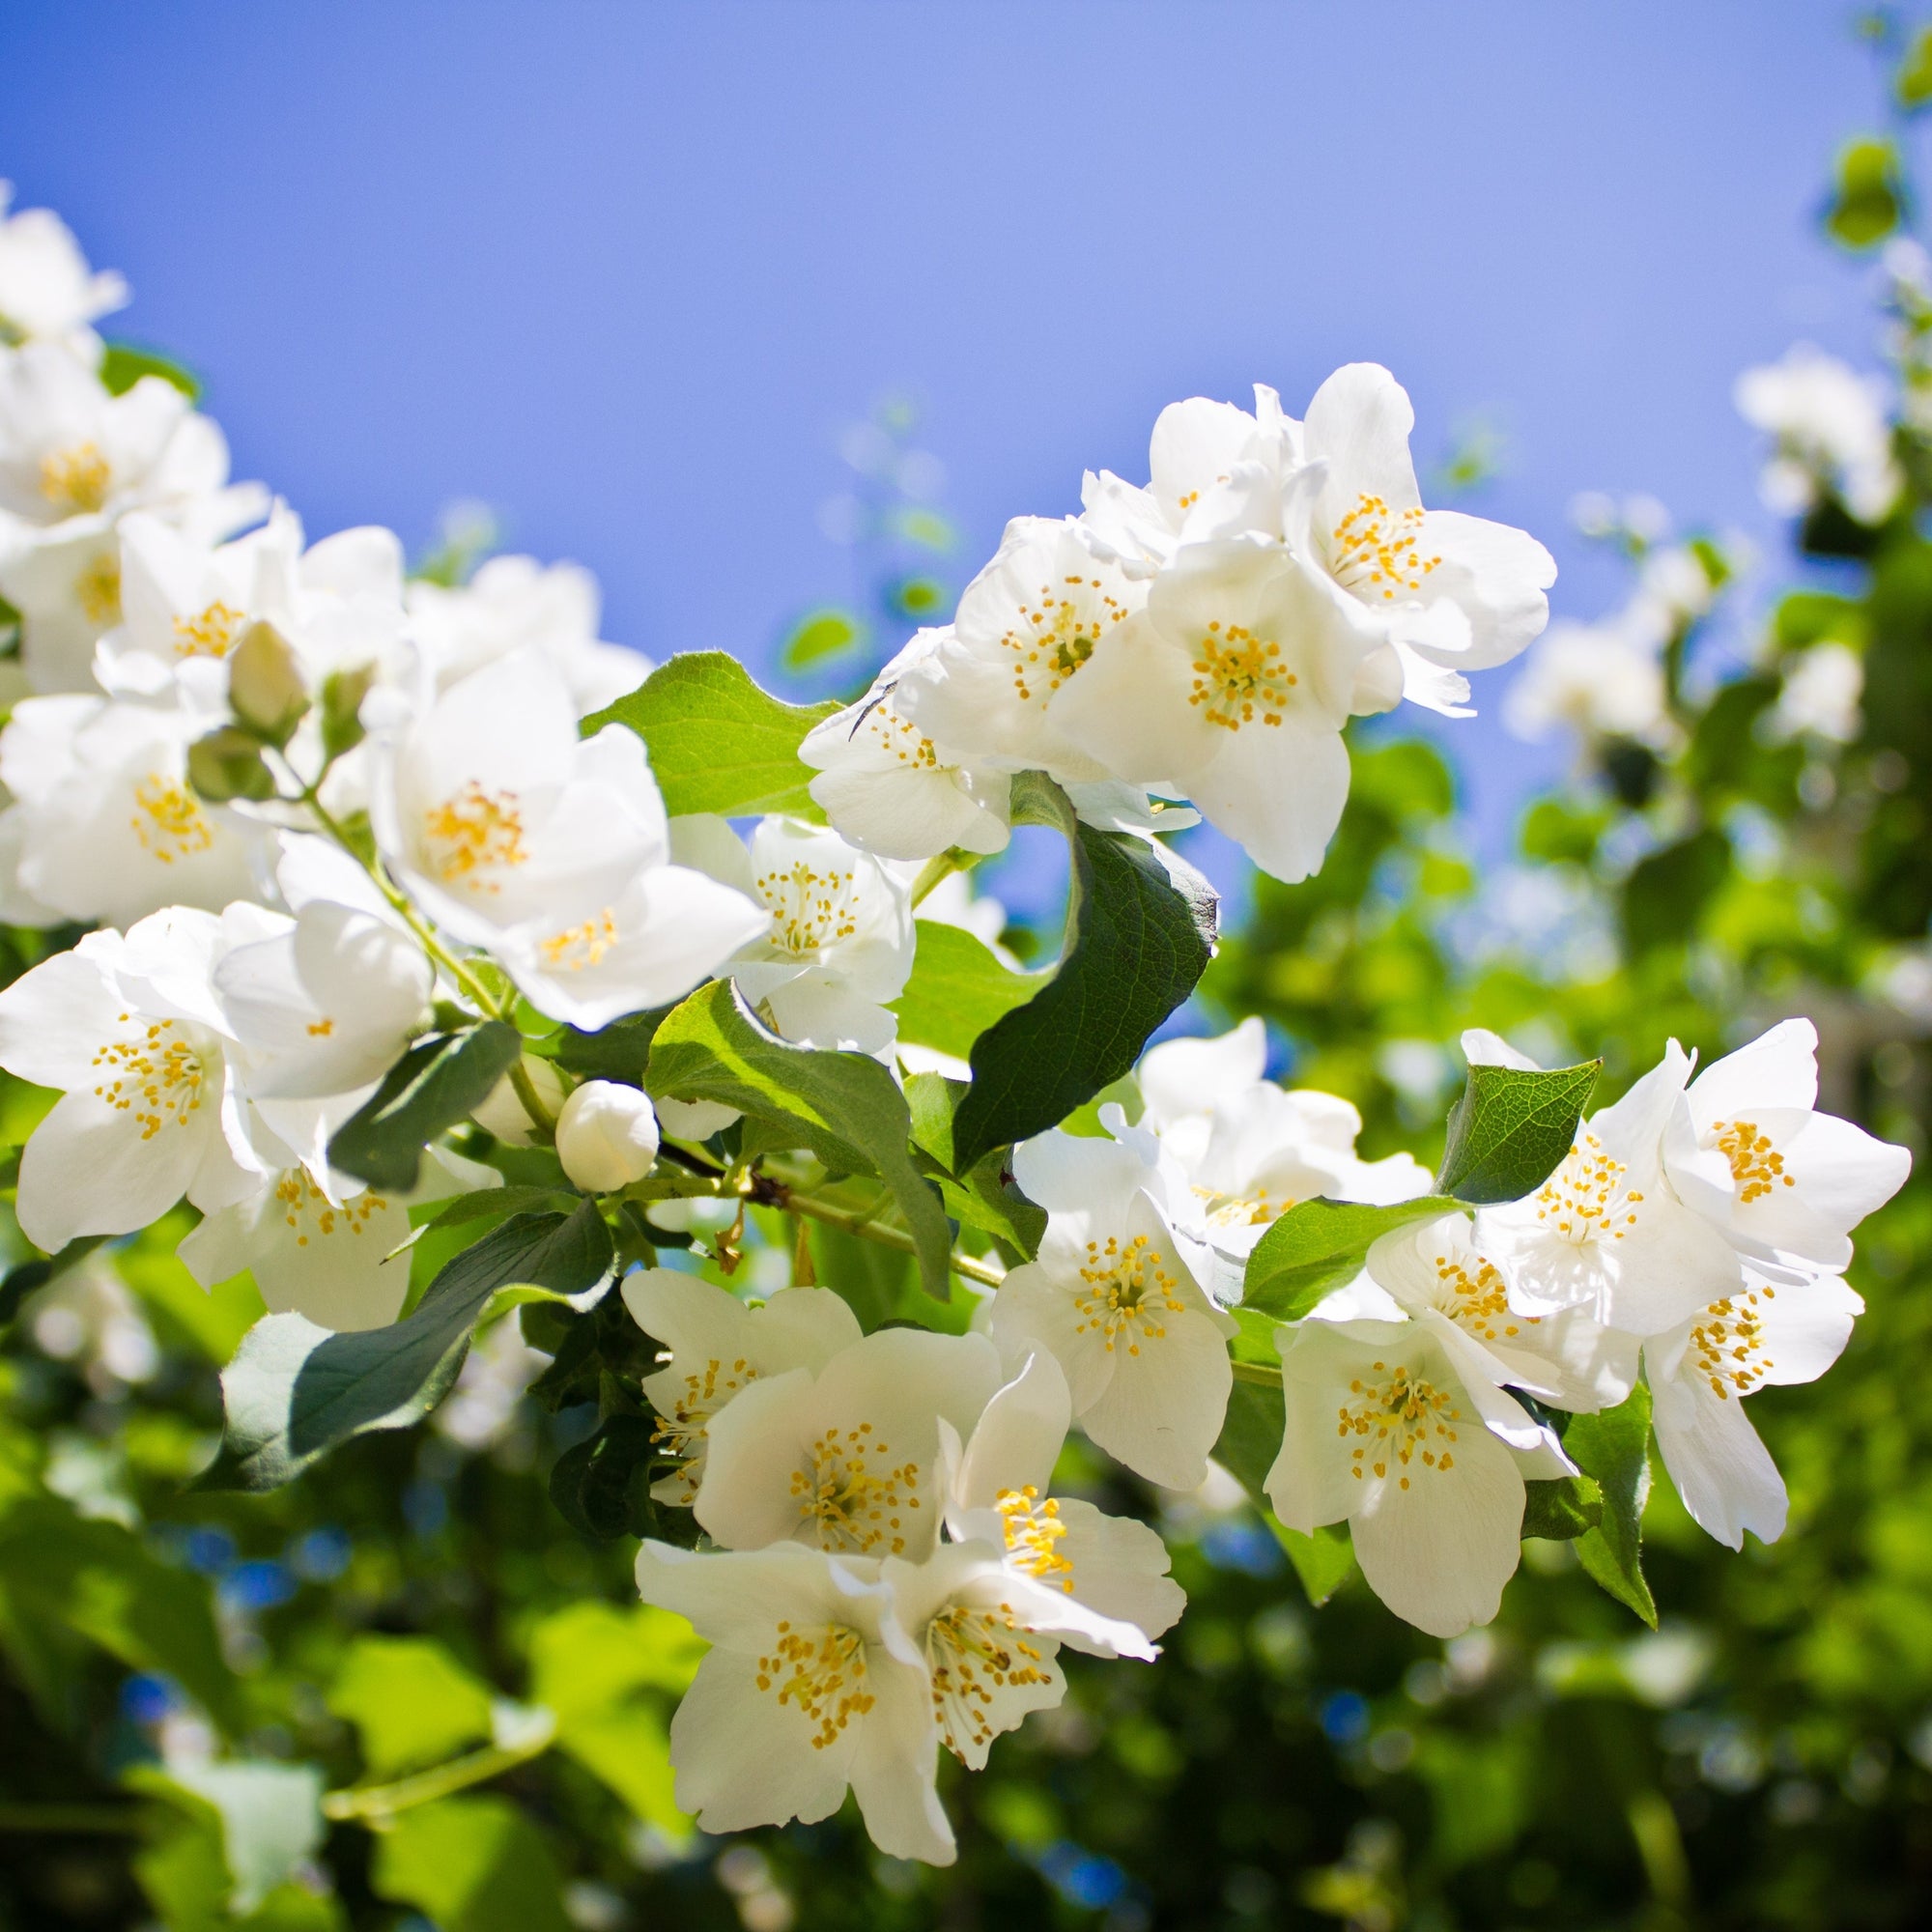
416 1619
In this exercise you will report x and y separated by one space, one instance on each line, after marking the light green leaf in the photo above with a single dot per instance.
1323 1561
819 635
985 1197
270 1815
411 1703
1614 1447
1913 83
294 1391
124 364
1867 200
1511 1129
471 1864
957 990
436 1084
1139 924
1562 1508
718 743
1319 1246
845 1107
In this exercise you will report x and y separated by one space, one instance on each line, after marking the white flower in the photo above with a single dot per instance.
515 602
606 1136
1233 686
107 826
127 1028
836 943
1699 1373
1607 1233
1025 629
514 835
1184 1080
1831 433
1597 680
1420 1452
846 1458
47 289
1433 1271
1820 694
718 1347
1783 1184
1000 1493
73 460
811 1686
334 1251
891 790
1116 1299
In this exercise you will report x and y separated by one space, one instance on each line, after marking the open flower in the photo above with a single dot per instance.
1409 1440
891 790
718 1347
1701 1371
1783 1183
1830 433
845 1458
1116 1299
47 292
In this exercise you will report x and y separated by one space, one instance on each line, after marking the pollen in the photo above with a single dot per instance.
1241 1211
306 1211
1239 678
1403 1418
576 947
1587 1198
157 1076
821 1674
681 1428
169 821
1126 1292
1729 1344
1057 634
1756 1165
811 910
1477 1301
209 632
98 589
1034 1532
75 480
474 832
1376 551
972 1653
853 1495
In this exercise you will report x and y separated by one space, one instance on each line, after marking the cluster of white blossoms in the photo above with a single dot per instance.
1832 433
1205 636
330 828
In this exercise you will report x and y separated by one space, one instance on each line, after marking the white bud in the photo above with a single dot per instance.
504 1114
606 1136
695 1120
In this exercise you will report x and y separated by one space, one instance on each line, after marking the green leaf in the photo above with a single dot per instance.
619 1051
1914 82
411 1703
294 1391
600 1486
1667 892
818 635
1322 1561
985 1197
718 743
1614 1447
124 364
471 1864
1561 1509
436 1084
957 990
1319 1246
1139 924
845 1107
1250 1442
1511 1129
1867 195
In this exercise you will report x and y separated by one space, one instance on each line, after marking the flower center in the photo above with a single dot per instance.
157 1077
1237 671
170 823
821 1674
75 480
305 1207
1375 550
1478 1302
1584 1198
1729 1343
1407 1418
576 947
209 632
1033 1531
853 1494
681 1429
1757 1166
970 1654
810 909
1241 1211
1127 1291
901 737
98 589
1056 637
473 832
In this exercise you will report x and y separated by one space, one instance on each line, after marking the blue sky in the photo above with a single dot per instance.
624 272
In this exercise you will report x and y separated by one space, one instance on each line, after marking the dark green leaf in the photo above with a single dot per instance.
1668 889
124 364
845 1107
717 742
1140 926
619 1051
957 990
1250 1442
986 1196
294 1391
436 1084
1561 1509
1511 1129
600 1486
1319 1246
1614 1447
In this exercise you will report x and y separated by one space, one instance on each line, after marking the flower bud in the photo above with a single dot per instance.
266 688
228 764
342 696
504 1114
695 1120
606 1136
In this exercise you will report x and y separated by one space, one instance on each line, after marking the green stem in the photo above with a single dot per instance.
870 1229
1257 1373
936 869
101 1819
377 1802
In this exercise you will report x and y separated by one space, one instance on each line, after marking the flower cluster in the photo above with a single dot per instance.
398 891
